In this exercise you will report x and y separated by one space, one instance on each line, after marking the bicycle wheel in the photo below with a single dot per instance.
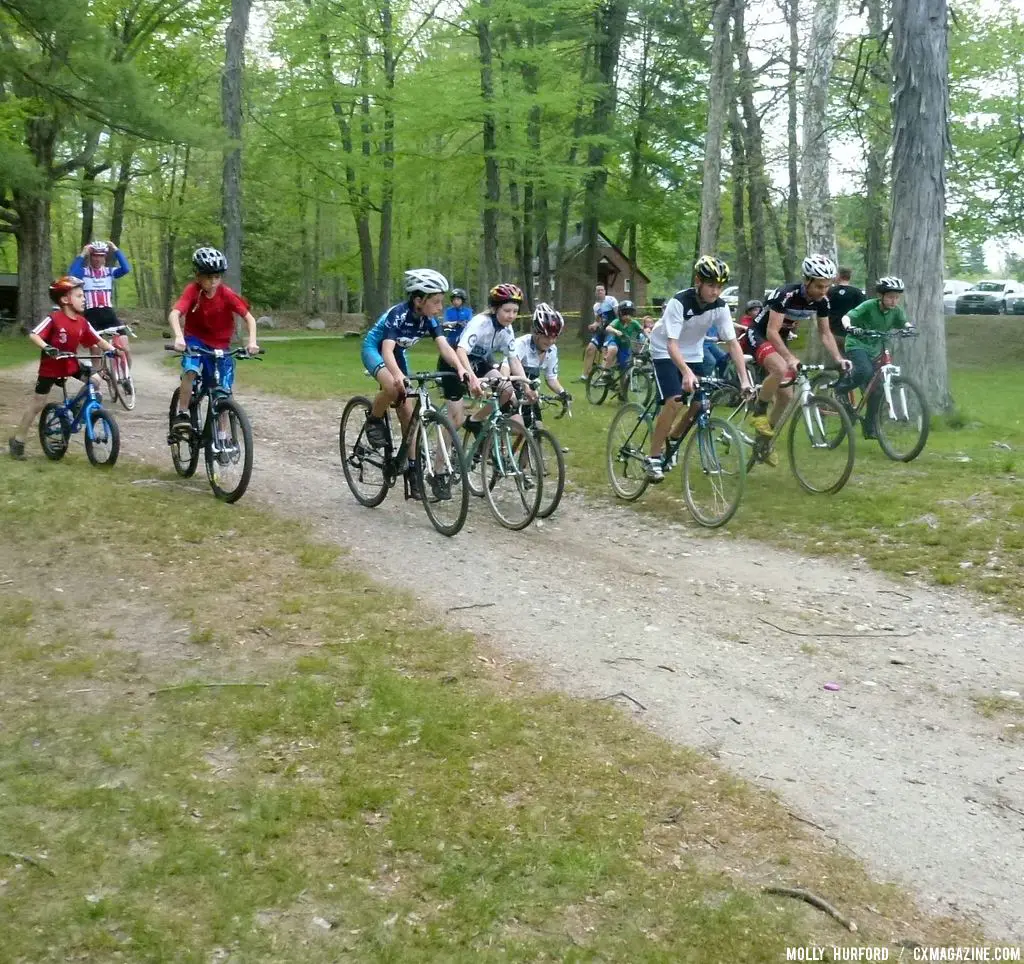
639 386
365 467
473 446
553 469
184 448
441 463
125 382
103 442
903 431
54 431
228 453
714 472
821 445
629 440
597 384
109 375
512 475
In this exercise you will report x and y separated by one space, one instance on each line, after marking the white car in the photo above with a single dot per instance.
989 298
950 291
731 297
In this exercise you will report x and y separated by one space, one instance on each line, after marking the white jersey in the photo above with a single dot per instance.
483 336
534 360
687 321
607 309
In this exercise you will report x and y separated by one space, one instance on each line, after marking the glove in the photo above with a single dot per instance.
51 351
565 397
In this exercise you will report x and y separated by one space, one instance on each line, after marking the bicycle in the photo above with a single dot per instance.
117 371
440 461
510 462
58 421
227 451
552 460
714 457
901 422
633 381
823 427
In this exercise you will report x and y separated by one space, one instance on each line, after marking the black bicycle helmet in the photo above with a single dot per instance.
889 283
626 308
459 293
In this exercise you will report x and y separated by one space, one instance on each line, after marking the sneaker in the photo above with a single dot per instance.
17 449
762 426
582 378
440 485
376 432
528 484
181 424
869 435
412 479
653 469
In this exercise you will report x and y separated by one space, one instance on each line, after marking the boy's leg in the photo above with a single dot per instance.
36 404
588 358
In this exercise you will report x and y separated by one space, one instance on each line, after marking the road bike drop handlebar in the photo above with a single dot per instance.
564 403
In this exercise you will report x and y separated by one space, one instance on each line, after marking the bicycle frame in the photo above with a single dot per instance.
394 463
698 412
87 399
885 370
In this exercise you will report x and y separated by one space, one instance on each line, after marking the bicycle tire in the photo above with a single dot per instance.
126 384
54 431
883 423
103 430
472 447
714 452
502 466
597 385
822 411
359 461
110 377
553 463
184 448
453 459
241 436
625 453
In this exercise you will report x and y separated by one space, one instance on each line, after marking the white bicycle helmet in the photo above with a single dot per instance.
209 261
819 266
425 281
99 247
889 283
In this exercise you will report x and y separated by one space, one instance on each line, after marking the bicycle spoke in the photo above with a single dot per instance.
821 445
714 472
442 468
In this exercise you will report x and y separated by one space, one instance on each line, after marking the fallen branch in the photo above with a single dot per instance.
199 686
25 858
623 659
815 901
810 823
852 635
626 695
455 609
895 592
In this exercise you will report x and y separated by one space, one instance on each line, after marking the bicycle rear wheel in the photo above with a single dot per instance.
125 382
102 439
184 447
629 441
714 472
552 468
441 463
821 445
512 476
366 468
229 459
903 431
639 386
54 431
597 384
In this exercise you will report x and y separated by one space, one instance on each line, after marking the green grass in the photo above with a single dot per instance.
373 771
955 516
16 349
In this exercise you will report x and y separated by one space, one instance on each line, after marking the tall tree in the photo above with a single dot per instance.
789 255
920 142
492 183
231 107
718 115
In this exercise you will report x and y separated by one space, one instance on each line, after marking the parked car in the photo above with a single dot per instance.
989 298
951 290
731 297
1015 304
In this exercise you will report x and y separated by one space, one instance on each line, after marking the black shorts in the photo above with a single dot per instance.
44 384
452 387
101 318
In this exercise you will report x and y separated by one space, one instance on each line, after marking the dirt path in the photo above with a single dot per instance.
896 764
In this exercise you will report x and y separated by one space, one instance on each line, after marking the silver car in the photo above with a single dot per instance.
989 298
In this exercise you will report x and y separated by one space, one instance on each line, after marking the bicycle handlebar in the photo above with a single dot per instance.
801 369
215 352
118 330
565 403
910 332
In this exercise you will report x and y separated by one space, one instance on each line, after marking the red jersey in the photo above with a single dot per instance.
66 333
211 320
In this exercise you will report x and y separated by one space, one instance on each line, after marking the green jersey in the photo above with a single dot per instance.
625 332
868 314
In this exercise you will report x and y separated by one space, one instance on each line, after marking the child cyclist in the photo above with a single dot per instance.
60 332
620 336
383 354
538 354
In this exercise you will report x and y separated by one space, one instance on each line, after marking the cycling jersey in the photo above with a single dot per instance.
455 320
605 311
792 303
99 282
687 321
403 326
64 332
536 361
483 336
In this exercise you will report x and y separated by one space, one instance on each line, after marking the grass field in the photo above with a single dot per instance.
366 787
955 516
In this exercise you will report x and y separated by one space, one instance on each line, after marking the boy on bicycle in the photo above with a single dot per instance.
677 349
620 335
881 314
604 313
209 307
60 332
538 353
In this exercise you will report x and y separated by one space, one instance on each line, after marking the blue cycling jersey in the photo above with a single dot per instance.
403 326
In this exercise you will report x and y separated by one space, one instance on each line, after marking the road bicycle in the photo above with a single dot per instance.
714 456
217 425
117 369
441 471
551 450
58 421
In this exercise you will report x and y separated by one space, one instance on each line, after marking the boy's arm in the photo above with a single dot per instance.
174 320
252 347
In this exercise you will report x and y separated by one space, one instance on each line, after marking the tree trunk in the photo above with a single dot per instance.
878 139
492 188
120 196
718 115
231 110
386 148
739 190
88 195
789 257
755 278
819 220
920 142
35 268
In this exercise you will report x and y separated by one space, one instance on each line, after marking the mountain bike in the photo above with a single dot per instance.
58 421
117 370
217 425
901 420
632 382
714 456
820 441
440 461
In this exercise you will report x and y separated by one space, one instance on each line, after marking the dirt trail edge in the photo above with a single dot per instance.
895 763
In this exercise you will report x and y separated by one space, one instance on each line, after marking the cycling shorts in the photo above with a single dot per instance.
669 378
204 364
373 360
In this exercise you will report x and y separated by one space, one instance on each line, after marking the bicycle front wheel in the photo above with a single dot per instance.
364 466
553 469
821 445
184 446
102 439
629 441
228 449
54 431
903 430
597 384
512 475
441 461
474 446
125 382
714 472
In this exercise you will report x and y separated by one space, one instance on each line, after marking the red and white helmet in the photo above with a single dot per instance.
504 293
547 321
